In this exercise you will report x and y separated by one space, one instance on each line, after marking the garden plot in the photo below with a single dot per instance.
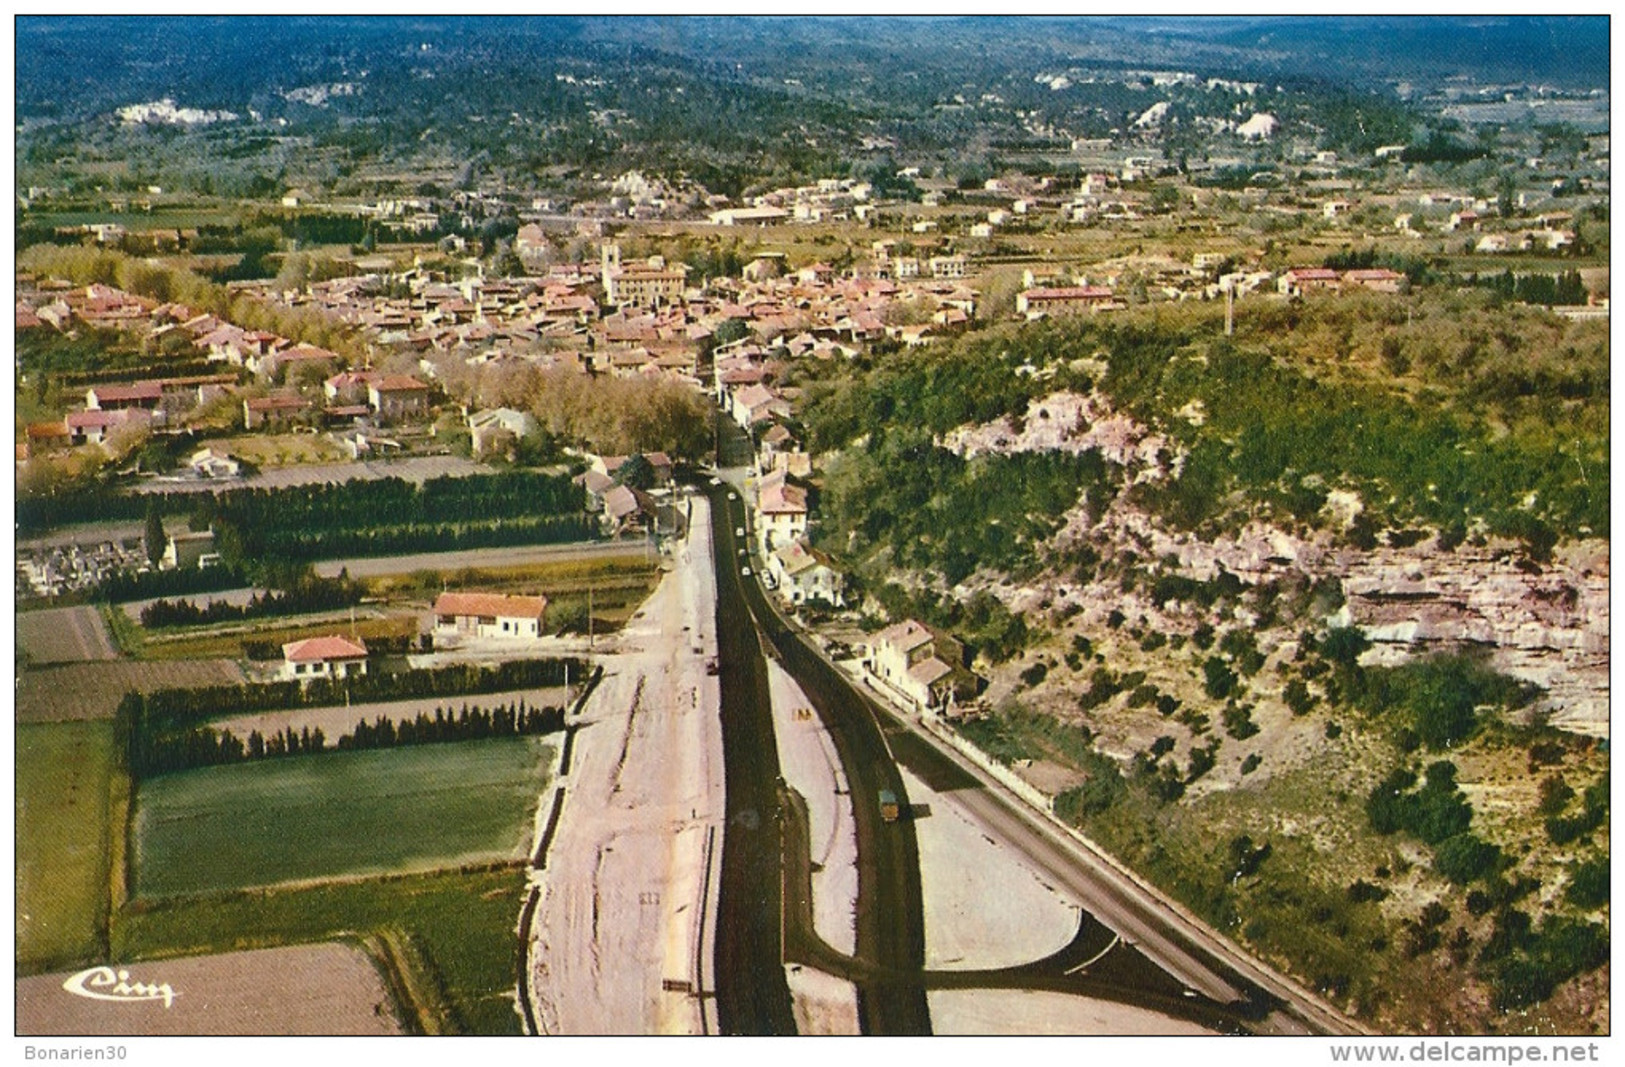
329 989
64 635
73 691
62 830
337 814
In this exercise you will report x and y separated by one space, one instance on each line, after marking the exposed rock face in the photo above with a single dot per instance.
1548 627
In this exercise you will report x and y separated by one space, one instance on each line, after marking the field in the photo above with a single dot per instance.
211 642
459 924
79 691
64 635
62 811
337 815
317 989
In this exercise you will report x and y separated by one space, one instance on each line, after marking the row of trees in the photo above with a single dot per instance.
169 710
309 594
152 755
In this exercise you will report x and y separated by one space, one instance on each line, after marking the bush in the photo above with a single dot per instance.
1218 680
1464 858
1588 883
1238 721
1297 697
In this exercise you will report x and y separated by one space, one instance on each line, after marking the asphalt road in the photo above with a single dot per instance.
753 995
890 910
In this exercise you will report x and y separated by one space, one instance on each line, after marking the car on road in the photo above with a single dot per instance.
716 481
739 531
733 496
745 571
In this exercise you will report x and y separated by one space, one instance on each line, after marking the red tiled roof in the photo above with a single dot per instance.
314 649
490 605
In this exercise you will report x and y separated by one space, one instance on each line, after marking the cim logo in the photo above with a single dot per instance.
104 983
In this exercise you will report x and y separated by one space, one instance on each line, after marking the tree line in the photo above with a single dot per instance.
207 747
311 594
169 710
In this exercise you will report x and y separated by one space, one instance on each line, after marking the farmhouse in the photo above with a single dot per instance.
489 615
333 656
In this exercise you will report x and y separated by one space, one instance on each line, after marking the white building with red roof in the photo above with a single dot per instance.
489 615
333 656
781 511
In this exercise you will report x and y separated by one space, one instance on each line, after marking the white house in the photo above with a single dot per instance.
781 511
805 574
323 657
489 615
919 665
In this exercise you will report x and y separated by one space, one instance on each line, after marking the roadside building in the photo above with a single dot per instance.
489 615
333 656
920 666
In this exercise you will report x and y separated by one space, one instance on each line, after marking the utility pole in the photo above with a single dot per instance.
1229 311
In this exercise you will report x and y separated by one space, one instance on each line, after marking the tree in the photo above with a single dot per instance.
154 540
636 472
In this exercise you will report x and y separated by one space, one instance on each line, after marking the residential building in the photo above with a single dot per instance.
805 575
1071 300
489 615
922 667
333 656
781 511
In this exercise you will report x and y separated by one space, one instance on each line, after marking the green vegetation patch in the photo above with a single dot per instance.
460 925
64 772
339 814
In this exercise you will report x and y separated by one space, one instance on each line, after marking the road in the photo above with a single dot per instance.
890 913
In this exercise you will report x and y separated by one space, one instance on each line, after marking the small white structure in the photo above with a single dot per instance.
333 656
489 615
919 665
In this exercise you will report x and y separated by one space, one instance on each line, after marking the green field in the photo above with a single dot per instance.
336 815
461 924
64 771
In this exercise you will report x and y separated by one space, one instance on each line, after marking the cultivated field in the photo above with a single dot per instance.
336 815
302 989
459 926
79 691
62 831
64 635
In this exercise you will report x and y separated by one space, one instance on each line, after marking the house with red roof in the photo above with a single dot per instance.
333 656
1301 281
489 615
398 396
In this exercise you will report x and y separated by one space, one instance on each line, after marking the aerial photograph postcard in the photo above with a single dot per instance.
636 525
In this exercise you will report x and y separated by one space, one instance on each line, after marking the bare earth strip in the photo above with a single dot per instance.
984 908
64 635
1024 1012
627 888
336 721
325 988
813 769
479 557
418 469
77 691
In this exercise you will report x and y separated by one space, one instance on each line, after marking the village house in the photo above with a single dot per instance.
1301 281
1072 300
1377 279
93 427
805 575
333 656
397 396
495 431
276 410
489 615
781 511
920 666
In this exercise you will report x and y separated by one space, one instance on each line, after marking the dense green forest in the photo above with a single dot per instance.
1495 423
